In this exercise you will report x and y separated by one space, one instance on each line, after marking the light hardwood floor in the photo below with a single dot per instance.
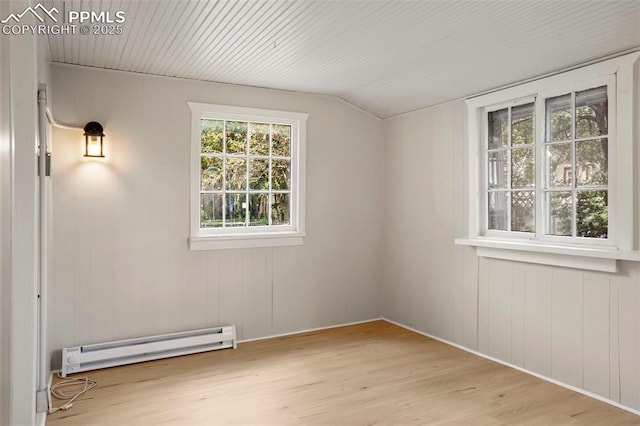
373 373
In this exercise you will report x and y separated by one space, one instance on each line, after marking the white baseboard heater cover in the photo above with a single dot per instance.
111 354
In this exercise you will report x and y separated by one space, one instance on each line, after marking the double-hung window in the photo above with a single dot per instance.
247 177
551 169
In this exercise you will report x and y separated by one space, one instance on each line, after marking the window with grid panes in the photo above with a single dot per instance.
573 137
511 169
248 183
576 152
551 168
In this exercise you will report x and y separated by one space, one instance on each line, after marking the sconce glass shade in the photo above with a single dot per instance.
93 134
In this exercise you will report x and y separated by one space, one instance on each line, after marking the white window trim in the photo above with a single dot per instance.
247 237
550 251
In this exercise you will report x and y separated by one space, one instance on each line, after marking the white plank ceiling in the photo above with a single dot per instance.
387 57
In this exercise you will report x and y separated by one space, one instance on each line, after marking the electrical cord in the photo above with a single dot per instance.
57 391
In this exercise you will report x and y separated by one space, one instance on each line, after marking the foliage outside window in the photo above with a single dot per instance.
247 176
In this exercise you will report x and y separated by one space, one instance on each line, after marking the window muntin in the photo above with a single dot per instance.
245 174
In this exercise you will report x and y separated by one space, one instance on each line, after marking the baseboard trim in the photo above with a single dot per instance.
309 330
516 367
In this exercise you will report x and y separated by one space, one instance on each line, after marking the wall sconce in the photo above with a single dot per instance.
93 134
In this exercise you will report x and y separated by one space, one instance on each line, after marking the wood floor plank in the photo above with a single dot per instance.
373 373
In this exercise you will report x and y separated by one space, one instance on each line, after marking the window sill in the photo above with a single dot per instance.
588 258
229 242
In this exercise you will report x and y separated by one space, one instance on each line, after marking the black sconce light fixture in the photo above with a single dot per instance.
93 134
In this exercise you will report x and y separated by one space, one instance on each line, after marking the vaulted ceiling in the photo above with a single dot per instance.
387 57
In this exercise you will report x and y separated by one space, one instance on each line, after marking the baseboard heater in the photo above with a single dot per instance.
121 352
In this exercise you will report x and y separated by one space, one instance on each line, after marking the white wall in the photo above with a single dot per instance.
18 207
121 263
44 347
581 328
5 225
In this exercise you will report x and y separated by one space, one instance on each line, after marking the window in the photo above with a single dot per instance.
247 177
551 169
510 157
576 138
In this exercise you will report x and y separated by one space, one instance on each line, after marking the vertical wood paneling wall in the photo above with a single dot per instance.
121 264
578 327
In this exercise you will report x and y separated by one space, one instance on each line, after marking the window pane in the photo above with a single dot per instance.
258 209
560 213
522 125
236 137
236 173
592 214
591 162
281 174
498 169
522 168
281 140
523 207
236 209
259 174
210 210
559 118
211 135
559 161
280 209
591 112
498 202
498 129
210 173
258 139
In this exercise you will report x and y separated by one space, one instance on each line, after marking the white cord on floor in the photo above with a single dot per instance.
56 391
